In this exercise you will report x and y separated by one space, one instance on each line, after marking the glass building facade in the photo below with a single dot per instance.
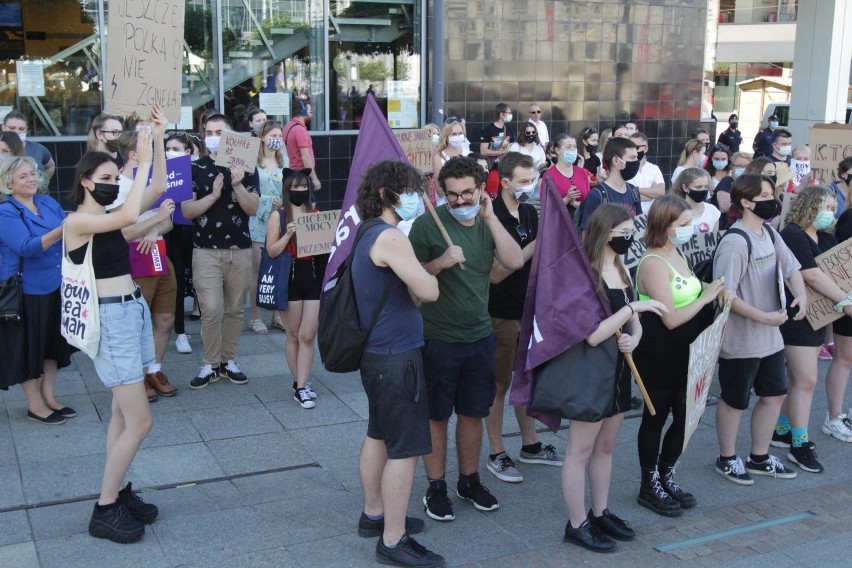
586 63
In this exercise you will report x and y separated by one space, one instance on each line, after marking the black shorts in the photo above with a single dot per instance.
460 376
305 280
768 376
801 334
399 408
843 326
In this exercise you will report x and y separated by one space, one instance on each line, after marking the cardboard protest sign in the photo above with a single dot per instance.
703 354
638 248
787 200
144 57
315 232
417 145
238 150
829 144
837 264
178 185
700 247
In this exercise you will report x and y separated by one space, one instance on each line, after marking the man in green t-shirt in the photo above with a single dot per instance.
458 357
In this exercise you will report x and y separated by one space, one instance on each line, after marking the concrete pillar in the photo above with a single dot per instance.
821 65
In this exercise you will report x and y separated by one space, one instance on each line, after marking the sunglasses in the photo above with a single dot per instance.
522 233
722 148
530 132
588 131
535 112
454 119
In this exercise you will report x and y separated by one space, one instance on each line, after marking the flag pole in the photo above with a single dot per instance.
440 224
629 358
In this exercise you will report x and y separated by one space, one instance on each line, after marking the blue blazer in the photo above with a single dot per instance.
22 238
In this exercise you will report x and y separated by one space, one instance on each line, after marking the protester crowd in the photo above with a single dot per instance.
443 299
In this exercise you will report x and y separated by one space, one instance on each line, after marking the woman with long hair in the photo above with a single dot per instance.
126 337
588 150
693 184
571 180
103 136
270 167
301 318
718 167
693 155
33 348
529 144
608 235
808 232
662 357
452 143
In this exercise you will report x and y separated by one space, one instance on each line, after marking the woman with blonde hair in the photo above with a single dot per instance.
808 232
103 136
271 162
607 236
693 184
692 156
453 142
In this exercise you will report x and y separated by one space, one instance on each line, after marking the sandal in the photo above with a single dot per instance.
276 322
258 327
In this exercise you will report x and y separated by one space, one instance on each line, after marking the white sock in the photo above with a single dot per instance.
154 367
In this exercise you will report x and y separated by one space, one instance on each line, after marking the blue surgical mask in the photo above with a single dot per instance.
823 220
738 172
569 156
720 164
409 206
465 213
682 235
773 125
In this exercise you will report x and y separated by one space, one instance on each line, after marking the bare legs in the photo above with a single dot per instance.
301 320
468 445
494 422
387 487
41 392
130 423
837 378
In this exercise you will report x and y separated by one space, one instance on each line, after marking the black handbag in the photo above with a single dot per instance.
11 292
578 384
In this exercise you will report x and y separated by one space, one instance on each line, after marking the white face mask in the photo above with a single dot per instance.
509 117
785 150
435 139
174 154
456 140
212 143
22 136
523 193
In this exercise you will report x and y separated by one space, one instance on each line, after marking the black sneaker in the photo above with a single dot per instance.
303 397
478 494
369 528
805 457
141 510
612 525
782 440
635 403
116 524
733 470
205 376
589 537
408 552
231 370
771 466
307 388
438 505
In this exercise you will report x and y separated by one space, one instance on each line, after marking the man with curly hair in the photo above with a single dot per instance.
458 357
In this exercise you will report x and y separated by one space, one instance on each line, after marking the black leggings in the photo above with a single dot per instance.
179 246
665 400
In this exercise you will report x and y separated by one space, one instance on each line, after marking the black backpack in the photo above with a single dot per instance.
341 341
704 269
580 214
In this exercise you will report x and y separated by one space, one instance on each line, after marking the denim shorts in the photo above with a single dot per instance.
127 342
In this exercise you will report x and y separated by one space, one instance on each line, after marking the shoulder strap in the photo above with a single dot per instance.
282 222
744 235
656 256
20 211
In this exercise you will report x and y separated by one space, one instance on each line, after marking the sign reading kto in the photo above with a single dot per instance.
144 57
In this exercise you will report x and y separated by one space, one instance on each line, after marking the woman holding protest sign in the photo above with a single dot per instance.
693 185
270 166
126 344
808 233
608 235
301 318
32 349
662 356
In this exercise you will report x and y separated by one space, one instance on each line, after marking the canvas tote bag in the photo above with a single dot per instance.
81 325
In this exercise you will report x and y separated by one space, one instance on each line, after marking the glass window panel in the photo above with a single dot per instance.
374 47
200 64
273 54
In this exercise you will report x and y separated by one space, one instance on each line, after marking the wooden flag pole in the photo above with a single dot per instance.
440 225
629 358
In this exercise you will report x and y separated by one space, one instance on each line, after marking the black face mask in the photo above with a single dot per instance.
111 145
641 155
620 245
766 210
553 160
774 180
530 137
104 193
698 196
298 198
630 170
848 180
734 125
591 148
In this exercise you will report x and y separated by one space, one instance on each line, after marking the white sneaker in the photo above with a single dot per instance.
840 427
304 399
182 344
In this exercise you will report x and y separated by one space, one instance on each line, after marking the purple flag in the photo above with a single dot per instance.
376 143
562 306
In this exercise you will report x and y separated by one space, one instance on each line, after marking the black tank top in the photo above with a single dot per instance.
110 254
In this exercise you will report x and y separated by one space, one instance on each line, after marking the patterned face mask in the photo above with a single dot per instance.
274 144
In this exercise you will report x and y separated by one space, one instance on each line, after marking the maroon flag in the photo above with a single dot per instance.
376 143
562 306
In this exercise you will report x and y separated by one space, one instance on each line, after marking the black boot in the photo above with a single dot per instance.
686 500
653 496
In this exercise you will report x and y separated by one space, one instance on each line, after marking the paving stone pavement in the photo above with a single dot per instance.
244 477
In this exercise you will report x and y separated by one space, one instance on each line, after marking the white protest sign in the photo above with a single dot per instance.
703 354
315 232
144 57
829 144
239 151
